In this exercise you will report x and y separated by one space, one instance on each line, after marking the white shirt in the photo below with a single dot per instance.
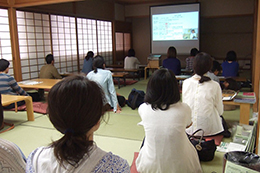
205 101
43 160
105 80
167 147
131 63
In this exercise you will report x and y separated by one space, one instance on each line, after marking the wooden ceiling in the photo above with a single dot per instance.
132 2
27 3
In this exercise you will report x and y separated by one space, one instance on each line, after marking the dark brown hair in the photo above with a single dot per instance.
4 64
131 52
90 54
232 84
172 52
98 63
201 65
49 58
231 56
162 89
75 105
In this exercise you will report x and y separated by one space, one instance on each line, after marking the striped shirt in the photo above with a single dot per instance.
8 85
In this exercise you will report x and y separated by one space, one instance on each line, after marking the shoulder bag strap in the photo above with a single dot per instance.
133 103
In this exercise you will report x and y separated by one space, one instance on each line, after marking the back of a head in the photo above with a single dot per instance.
4 64
49 58
172 52
162 89
232 84
90 54
75 105
231 56
216 66
98 62
202 64
194 52
131 52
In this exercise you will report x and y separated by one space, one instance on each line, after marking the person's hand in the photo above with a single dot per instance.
119 109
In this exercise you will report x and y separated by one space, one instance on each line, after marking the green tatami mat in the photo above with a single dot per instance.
121 126
29 138
17 117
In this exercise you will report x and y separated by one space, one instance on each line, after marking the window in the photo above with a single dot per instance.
5 42
123 44
127 42
64 43
34 42
105 46
87 37
42 34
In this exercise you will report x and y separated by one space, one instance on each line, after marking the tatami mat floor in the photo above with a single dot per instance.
119 134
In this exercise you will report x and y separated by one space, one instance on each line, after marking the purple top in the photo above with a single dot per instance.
173 64
230 69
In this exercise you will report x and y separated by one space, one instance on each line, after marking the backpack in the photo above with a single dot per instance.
135 98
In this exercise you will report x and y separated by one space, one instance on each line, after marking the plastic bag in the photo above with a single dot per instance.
246 159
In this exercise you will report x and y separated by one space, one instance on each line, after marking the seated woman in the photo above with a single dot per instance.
190 59
88 61
230 66
166 147
75 107
105 80
131 62
204 96
172 63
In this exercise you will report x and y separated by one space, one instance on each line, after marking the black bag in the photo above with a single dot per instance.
206 149
121 100
135 98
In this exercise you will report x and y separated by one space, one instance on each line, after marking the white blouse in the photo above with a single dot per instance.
166 147
205 101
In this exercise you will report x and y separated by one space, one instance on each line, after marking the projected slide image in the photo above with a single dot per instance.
190 34
175 26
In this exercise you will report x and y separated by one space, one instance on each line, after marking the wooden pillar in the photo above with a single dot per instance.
15 44
256 58
255 65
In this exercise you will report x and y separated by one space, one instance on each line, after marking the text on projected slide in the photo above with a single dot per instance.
175 26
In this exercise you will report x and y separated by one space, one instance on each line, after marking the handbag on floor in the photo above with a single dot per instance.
206 149
135 98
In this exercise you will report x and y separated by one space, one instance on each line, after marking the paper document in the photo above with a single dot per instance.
227 147
30 82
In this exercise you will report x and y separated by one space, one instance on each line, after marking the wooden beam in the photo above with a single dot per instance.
3 3
29 3
15 44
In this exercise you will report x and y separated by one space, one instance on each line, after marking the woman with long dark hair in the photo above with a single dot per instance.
105 80
204 96
75 107
88 62
166 147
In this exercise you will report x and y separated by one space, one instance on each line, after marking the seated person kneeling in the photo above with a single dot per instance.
76 107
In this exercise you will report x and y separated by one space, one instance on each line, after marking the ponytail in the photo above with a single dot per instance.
71 148
204 79
95 69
